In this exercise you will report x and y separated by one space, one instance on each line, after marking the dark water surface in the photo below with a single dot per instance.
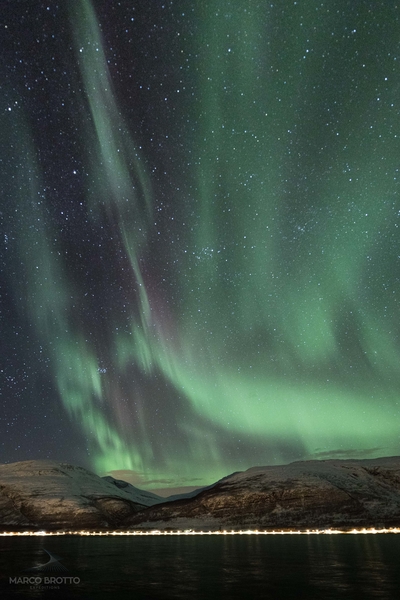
197 567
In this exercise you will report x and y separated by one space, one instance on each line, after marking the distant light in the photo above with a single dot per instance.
365 530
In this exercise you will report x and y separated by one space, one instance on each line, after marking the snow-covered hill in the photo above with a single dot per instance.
48 494
310 494
307 494
137 495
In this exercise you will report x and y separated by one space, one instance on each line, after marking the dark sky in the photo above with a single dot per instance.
199 234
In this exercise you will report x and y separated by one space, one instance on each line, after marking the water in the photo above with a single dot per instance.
197 567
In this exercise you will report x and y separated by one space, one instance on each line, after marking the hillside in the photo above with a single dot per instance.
48 494
302 495
307 494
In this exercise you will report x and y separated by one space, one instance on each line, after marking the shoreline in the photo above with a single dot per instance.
192 532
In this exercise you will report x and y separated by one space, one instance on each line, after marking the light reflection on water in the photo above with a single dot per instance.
361 567
197 567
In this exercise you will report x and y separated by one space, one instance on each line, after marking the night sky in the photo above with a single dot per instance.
200 242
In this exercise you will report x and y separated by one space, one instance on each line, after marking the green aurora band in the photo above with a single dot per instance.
284 323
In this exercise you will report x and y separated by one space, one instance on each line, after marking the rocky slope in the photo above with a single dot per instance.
311 494
137 495
53 495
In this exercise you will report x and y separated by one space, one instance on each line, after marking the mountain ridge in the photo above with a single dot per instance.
59 495
306 494
303 494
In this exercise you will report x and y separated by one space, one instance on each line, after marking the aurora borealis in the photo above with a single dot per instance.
200 234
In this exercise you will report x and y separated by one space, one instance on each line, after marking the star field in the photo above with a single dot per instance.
200 234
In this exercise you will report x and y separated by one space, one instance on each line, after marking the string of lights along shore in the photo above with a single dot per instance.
200 241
